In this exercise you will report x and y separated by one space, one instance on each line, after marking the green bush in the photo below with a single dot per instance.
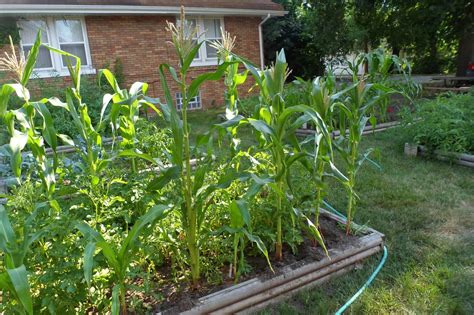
445 123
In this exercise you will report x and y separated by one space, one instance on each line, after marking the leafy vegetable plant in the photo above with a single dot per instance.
15 246
117 259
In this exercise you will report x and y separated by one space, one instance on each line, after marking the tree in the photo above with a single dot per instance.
436 34
311 32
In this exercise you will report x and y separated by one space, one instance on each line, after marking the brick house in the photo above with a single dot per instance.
133 31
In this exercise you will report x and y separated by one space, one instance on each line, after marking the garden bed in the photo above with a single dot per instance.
308 268
458 158
367 129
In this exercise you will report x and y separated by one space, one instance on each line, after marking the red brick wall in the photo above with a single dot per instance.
142 44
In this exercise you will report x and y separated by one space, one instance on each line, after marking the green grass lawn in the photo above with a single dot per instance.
426 210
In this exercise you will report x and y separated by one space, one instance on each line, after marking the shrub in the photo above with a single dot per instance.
445 123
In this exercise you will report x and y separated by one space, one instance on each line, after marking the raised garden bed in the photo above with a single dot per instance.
458 158
367 129
310 267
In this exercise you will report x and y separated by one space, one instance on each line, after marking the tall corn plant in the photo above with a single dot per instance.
276 125
195 194
29 133
125 112
356 108
321 96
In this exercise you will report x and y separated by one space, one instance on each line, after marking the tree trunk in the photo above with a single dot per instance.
465 52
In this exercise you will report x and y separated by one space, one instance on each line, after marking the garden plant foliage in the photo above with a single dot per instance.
111 227
445 123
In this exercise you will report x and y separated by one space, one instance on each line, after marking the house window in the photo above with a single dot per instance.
194 103
68 34
209 30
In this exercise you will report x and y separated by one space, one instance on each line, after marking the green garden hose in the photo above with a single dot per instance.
372 276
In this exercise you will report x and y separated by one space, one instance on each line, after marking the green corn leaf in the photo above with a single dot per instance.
187 60
7 235
260 245
74 72
89 261
105 103
5 92
193 89
154 213
262 127
316 234
164 178
19 279
88 232
109 76
57 102
236 216
111 255
49 132
31 60
115 307
137 154
17 144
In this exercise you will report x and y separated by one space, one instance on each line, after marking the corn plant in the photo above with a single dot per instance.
118 260
89 142
320 97
29 134
276 125
195 195
125 112
356 108
15 246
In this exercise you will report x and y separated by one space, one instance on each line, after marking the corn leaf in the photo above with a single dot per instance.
19 279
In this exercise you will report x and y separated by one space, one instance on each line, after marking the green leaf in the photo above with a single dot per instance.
7 235
236 218
136 153
110 79
164 178
89 261
19 279
49 132
154 213
261 126
115 308
31 60
260 245
193 89
5 92
190 57
17 144
316 234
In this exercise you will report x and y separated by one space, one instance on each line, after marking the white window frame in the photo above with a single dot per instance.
203 61
58 69
179 104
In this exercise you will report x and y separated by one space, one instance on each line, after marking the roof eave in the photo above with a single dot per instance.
47 9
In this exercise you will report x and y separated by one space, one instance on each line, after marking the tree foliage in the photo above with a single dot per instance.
435 34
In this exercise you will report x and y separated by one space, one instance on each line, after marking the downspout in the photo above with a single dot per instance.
260 35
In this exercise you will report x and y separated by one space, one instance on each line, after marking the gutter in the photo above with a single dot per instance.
260 37
61 9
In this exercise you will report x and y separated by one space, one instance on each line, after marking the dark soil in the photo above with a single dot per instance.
181 298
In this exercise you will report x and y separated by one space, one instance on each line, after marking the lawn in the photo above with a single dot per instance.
425 209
